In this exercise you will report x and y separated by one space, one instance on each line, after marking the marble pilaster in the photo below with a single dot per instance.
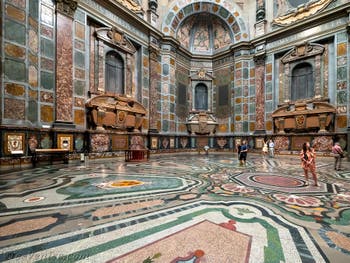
154 95
260 94
101 65
64 61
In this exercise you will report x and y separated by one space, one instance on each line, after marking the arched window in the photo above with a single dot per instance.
114 78
201 97
302 82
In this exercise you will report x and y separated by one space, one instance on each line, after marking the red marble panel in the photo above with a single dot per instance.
46 31
14 109
79 102
64 75
46 96
260 100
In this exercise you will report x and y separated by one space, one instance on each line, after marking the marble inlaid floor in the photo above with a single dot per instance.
176 208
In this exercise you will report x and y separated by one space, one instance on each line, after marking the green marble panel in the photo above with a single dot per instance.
15 32
245 126
145 102
245 73
32 111
341 73
238 92
169 18
79 15
79 143
342 97
252 108
159 105
238 108
79 87
268 87
159 87
15 70
268 106
47 80
223 12
188 9
34 9
342 37
47 48
145 83
172 89
252 90
165 125
165 69
79 59
172 107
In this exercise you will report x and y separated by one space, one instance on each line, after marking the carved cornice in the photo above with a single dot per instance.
201 74
115 37
66 7
302 12
131 5
301 51
260 58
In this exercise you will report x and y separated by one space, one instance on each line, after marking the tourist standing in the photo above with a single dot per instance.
243 153
308 162
265 149
338 155
238 147
271 148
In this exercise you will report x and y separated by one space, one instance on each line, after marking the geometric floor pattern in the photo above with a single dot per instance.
178 208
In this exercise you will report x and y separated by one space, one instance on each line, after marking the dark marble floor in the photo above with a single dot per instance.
176 208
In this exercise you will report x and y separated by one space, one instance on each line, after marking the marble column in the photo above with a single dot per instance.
154 94
260 94
64 63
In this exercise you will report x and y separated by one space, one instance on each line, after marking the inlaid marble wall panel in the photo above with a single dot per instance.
269 104
168 92
28 62
155 91
145 84
222 92
79 69
183 96
342 77
244 96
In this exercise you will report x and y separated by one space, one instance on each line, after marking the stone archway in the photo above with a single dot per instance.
229 12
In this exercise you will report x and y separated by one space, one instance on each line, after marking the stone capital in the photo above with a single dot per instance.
66 7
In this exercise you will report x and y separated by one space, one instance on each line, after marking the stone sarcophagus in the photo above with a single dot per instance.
201 122
115 112
304 116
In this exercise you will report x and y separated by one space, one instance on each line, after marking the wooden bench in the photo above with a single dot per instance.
136 155
62 154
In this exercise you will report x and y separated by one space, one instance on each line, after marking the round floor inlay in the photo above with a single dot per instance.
34 199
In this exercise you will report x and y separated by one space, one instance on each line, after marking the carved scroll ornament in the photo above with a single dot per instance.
302 12
302 51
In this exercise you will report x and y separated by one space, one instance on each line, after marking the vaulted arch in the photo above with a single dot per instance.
227 11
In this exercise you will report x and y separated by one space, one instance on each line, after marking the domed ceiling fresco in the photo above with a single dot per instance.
204 33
